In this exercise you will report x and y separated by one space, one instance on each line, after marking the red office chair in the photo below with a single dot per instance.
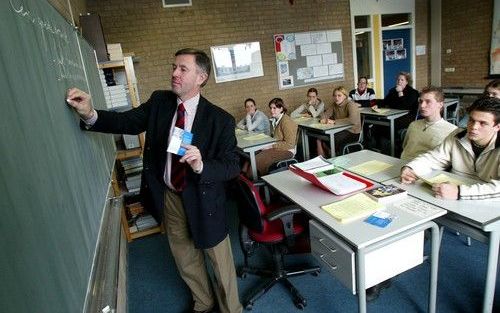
274 227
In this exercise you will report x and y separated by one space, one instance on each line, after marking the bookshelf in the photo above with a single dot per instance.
131 213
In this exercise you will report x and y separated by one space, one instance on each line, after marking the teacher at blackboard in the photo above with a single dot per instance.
188 191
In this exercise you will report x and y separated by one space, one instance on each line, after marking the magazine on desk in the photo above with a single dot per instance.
325 175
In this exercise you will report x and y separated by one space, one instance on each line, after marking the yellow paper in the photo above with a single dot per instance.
256 137
352 208
319 125
370 167
239 131
381 110
442 178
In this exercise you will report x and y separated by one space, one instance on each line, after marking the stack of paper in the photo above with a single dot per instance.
352 208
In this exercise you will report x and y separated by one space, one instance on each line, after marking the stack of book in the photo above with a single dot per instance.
114 94
325 175
133 169
138 219
115 51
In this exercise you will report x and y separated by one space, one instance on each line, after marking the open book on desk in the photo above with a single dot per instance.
325 175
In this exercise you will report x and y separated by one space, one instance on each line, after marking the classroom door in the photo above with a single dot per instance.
397 55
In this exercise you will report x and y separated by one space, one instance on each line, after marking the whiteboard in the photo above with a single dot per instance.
309 58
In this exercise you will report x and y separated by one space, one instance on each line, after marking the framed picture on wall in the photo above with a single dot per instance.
237 61
176 3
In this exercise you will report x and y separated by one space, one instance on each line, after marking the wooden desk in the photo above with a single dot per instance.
309 127
251 146
479 219
386 119
350 160
358 241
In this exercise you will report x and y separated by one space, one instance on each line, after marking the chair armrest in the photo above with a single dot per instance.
285 214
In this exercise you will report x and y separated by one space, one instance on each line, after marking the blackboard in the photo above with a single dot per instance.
309 58
55 177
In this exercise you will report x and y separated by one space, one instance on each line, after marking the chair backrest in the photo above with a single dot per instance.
251 208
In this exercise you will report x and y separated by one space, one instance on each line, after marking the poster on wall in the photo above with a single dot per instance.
394 49
237 61
308 58
495 41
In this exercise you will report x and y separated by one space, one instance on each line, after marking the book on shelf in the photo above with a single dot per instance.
352 208
386 193
325 175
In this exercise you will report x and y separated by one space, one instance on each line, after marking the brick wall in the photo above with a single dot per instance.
422 37
154 34
466 30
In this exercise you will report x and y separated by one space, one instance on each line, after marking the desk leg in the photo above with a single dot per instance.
305 144
253 164
491 273
435 245
361 281
332 144
392 138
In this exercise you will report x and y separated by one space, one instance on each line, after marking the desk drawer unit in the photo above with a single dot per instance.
333 253
380 264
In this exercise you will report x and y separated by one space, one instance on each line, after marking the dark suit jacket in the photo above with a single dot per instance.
409 101
213 134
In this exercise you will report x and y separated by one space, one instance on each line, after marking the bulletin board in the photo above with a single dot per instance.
309 58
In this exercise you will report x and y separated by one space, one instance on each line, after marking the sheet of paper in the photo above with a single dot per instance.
316 163
180 137
417 207
239 131
256 137
321 126
354 207
370 167
381 110
442 178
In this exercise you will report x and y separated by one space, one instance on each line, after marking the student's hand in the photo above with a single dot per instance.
193 158
399 88
408 176
323 120
331 122
306 114
445 191
375 107
80 101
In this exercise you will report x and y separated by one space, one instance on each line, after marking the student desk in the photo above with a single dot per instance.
462 91
252 146
449 102
479 219
386 119
309 126
351 160
364 254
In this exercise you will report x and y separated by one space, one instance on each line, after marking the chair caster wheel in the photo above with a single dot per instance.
300 303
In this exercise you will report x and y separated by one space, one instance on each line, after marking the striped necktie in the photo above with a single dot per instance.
178 169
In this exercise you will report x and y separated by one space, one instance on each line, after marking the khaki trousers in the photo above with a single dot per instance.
191 262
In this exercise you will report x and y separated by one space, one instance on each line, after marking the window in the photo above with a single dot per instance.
394 20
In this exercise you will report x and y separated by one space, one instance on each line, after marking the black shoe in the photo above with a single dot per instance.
372 293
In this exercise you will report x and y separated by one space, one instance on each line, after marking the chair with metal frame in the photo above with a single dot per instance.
276 226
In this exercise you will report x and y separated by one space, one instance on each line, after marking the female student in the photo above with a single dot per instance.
342 109
255 120
284 129
312 108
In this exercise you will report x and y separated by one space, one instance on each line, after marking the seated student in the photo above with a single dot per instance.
474 152
363 95
312 108
284 129
492 89
425 134
342 109
255 120
403 97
